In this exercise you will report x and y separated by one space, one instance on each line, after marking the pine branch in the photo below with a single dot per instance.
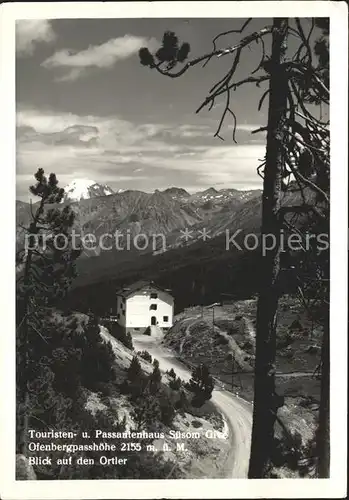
218 53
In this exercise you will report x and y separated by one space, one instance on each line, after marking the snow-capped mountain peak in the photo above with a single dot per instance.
82 189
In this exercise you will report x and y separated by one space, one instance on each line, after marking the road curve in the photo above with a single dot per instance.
237 412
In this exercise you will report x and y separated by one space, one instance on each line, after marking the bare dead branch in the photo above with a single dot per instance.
305 41
225 33
262 99
260 129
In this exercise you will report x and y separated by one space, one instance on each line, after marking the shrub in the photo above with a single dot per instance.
146 410
136 380
182 404
134 371
155 379
97 357
201 384
175 384
146 356
120 334
128 341
171 373
196 424
167 410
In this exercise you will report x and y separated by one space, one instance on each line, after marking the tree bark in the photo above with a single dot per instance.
265 406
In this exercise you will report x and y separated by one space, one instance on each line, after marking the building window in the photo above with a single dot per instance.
123 300
165 319
153 295
153 307
118 315
123 312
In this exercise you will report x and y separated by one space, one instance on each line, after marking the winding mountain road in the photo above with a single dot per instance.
237 412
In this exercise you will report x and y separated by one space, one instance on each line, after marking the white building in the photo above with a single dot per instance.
144 304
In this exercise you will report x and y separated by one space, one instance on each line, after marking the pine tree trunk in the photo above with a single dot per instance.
264 411
323 433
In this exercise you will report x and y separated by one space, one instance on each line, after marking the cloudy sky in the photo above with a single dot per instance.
86 108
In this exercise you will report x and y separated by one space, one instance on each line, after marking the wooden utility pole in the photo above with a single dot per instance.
264 409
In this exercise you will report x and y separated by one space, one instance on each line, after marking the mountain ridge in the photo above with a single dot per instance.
81 189
166 213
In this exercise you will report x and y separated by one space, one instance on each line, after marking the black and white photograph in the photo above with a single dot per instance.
172 316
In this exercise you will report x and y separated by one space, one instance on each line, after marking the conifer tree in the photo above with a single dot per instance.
201 384
155 379
46 269
146 409
98 357
136 380
134 371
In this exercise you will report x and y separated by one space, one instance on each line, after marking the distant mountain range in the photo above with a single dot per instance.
83 189
100 210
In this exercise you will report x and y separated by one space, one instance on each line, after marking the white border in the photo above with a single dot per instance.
198 488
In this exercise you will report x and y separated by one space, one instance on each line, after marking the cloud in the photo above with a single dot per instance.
139 156
48 122
191 131
97 56
85 135
30 32
218 166
88 146
246 127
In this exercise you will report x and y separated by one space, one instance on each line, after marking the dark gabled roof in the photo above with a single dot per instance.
128 290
